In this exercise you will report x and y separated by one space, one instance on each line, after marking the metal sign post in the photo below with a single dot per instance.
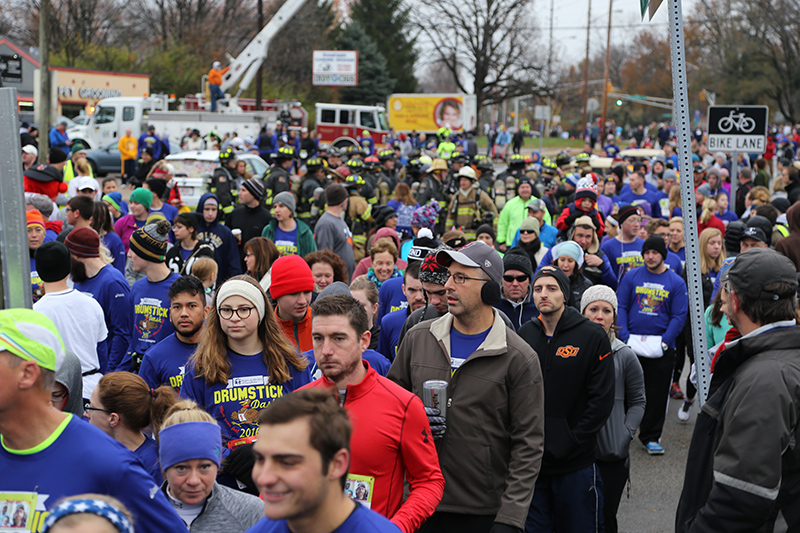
680 91
15 288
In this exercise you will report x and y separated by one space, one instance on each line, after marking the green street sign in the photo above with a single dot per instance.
653 6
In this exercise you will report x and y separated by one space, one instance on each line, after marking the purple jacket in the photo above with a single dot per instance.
124 227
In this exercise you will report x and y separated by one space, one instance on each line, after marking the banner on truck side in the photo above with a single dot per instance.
427 113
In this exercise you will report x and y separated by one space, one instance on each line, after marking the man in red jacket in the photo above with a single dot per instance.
392 440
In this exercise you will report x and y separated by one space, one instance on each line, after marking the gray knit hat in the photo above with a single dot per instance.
599 292
285 198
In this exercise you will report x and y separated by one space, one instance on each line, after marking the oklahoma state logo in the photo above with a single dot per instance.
567 351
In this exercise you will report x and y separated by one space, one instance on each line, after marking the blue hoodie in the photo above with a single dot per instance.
226 251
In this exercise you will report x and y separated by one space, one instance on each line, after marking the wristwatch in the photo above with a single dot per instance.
664 346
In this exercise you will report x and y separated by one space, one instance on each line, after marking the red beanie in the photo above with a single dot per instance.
290 274
83 242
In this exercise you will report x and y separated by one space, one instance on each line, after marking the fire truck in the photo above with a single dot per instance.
341 125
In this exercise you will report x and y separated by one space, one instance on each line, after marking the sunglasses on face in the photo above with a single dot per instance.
526 231
521 278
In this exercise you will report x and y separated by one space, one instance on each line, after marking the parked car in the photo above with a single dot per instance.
193 171
106 160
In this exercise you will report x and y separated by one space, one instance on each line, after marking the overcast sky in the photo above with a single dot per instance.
570 21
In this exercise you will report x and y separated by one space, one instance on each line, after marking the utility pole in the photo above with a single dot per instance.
605 76
546 129
586 66
44 81
259 73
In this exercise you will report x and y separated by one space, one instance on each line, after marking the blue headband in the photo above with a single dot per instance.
89 506
189 440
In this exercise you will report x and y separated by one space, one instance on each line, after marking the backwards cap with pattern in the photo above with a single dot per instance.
18 328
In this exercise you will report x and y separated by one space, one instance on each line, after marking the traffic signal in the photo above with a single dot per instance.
619 102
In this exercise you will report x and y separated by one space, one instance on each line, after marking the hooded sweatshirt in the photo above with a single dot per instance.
226 251
578 377
69 375
790 246
519 312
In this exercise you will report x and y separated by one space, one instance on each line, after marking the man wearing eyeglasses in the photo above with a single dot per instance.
517 302
491 447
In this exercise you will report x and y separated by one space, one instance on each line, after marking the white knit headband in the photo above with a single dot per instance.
239 287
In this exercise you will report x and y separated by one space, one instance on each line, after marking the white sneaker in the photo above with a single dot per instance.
684 411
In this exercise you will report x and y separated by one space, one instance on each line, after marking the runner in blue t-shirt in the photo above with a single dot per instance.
165 363
149 295
108 287
625 250
289 461
286 241
250 365
47 455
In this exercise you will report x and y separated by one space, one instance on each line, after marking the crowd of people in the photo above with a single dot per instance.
380 340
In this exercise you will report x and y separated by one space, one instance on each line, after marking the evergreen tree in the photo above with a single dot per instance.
388 24
374 81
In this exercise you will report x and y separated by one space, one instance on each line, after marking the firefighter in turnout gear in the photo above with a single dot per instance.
516 168
358 216
433 188
223 183
470 206
314 178
278 179
387 176
367 188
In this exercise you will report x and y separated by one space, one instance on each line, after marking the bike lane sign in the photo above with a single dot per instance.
737 128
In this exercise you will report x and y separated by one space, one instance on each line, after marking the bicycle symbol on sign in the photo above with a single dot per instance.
742 122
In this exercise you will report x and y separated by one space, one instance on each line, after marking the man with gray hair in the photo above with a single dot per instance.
743 468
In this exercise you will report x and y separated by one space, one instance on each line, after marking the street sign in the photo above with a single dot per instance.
541 112
335 67
10 67
737 128
652 4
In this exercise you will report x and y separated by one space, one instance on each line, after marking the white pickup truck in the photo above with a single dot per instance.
113 116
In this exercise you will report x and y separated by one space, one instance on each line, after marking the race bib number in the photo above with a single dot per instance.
360 489
18 512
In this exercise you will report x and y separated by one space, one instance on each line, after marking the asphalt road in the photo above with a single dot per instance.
656 481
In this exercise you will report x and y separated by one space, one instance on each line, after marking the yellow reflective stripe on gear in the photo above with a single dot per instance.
359 239
373 200
367 214
227 209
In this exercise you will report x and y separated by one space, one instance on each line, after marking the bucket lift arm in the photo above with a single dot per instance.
245 66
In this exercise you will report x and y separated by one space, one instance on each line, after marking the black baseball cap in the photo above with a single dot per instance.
754 233
758 267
